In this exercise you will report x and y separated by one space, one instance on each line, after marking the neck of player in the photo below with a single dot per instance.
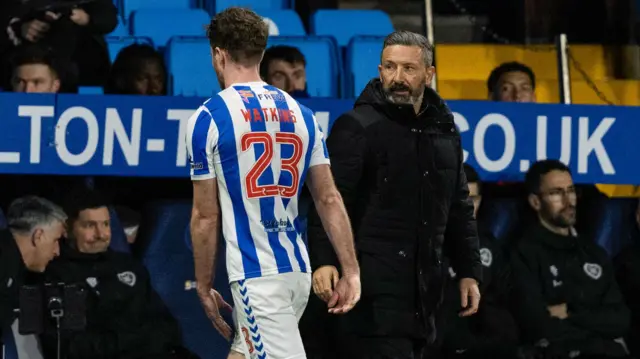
236 74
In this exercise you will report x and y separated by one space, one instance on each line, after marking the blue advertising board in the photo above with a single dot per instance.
142 136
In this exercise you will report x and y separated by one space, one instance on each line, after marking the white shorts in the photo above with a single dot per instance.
266 314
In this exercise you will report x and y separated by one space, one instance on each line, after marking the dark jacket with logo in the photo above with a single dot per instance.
492 332
12 274
125 317
550 269
402 181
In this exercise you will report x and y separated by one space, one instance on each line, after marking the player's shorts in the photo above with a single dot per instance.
266 315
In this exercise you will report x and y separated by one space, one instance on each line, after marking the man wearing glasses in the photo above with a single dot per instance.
566 299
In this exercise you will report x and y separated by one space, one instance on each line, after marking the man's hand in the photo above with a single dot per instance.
212 301
80 17
469 290
558 311
346 294
325 280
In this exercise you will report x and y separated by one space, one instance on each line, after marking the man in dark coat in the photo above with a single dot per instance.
397 161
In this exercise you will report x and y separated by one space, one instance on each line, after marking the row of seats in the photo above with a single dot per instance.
342 25
127 7
169 260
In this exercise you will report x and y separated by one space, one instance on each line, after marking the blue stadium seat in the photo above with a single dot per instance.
189 65
616 225
170 264
363 58
129 6
345 24
115 44
323 69
118 237
120 30
161 24
90 90
3 220
219 5
283 22
501 217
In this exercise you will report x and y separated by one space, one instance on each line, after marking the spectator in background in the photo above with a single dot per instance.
125 316
285 68
512 82
492 332
628 274
138 70
33 70
565 295
74 33
130 220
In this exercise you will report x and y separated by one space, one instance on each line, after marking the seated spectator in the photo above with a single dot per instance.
125 317
512 82
628 273
285 68
27 246
565 295
492 332
74 34
130 220
138 70
34 70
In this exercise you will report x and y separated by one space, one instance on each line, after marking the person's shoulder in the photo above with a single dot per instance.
125 261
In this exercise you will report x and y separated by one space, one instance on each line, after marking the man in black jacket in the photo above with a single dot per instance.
492 332
75 34
125 317
27 246
565 294
397 161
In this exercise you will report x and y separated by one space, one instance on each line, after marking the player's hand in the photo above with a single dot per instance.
469 291
325 280
346 294
558 311
212 301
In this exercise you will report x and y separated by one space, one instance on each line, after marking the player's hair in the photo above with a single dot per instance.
285 53
472 175
241 32
408 38
533 178
506 68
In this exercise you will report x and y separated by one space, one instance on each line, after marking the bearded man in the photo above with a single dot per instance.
397 162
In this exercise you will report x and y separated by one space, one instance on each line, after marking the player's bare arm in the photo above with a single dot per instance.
205 226
335 221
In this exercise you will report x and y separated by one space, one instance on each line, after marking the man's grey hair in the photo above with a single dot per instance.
408 38
28 213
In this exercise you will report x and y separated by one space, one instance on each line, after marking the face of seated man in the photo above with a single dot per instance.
91 231
35 78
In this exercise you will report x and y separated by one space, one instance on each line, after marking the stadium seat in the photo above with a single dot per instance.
502 217
120 30
283 22
171 267
90 90
129 6
115 44
3 220
323 70
161 24
345 24
363 58
219 5
616 225
118 237
188 62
